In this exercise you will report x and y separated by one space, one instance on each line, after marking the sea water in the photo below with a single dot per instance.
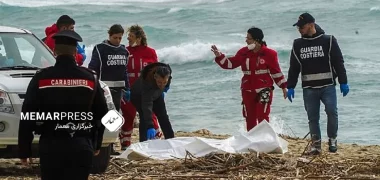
202 95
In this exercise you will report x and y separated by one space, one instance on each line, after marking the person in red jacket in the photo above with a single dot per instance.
140 56
64 22
261 69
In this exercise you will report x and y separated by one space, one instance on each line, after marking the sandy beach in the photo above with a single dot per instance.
352 161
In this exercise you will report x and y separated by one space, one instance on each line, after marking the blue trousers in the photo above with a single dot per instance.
312 100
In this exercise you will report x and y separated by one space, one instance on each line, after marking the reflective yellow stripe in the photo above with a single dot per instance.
229 64
277 75
114 83
247 72
281 82
133 74
262 71
319 76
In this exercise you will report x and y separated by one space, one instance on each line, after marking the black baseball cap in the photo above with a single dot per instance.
304 19
67 37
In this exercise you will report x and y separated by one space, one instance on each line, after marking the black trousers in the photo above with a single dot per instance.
116 94
65 159
159 109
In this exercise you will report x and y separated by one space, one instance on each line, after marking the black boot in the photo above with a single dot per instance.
333 145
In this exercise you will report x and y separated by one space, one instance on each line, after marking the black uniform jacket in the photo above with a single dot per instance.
64 95
110 63
146 89
318 59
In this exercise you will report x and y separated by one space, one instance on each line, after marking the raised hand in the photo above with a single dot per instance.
216 51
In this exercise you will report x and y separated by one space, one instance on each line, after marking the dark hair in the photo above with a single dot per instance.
257 35
139 33
116 29
65 20
162 71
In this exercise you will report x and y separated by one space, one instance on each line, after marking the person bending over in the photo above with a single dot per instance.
146 96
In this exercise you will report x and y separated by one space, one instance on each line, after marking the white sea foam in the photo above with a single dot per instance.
175 9
375 8
195 51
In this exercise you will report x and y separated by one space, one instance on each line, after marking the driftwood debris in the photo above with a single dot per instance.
354 162
251 165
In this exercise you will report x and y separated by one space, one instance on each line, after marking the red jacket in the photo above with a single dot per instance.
140 56
259 69
50 42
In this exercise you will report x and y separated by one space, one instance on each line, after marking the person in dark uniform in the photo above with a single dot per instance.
319 59
146 96
109 60
70 103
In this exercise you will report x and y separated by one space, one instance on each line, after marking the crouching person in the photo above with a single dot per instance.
147 97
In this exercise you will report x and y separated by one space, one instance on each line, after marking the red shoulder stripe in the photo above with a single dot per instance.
54 83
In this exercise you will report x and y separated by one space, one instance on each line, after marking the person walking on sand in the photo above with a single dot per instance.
140 56
318 58
261 69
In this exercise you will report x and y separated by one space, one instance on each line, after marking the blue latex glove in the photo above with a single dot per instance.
166 89
127 95
81 50
151 133
344 89
9 62
290 94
